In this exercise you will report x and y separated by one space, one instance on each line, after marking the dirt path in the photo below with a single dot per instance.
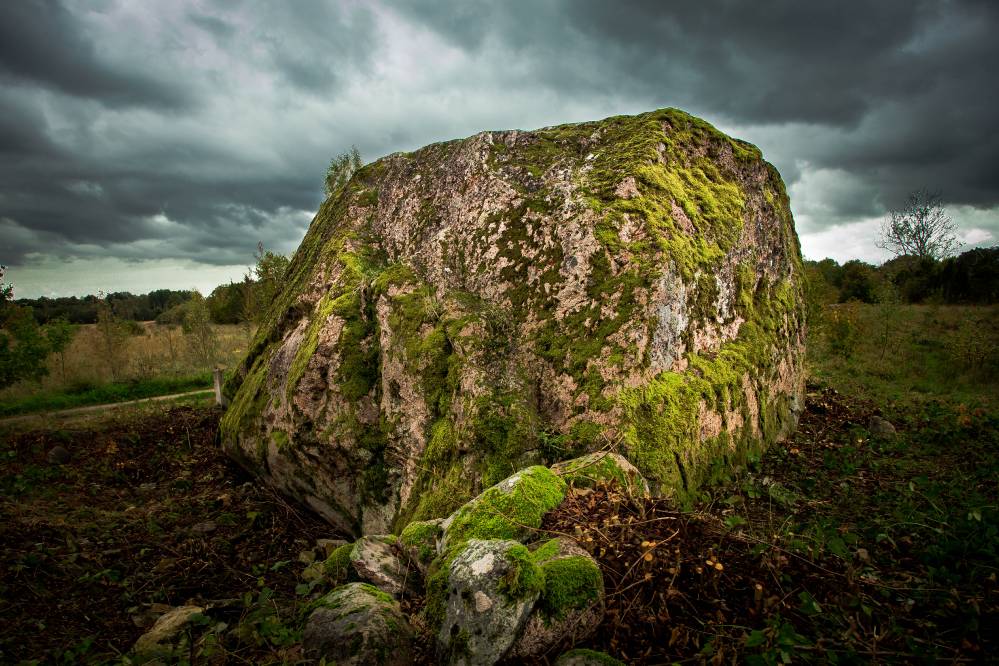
95 408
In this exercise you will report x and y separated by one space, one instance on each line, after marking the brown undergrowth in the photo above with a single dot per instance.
836 547
148 513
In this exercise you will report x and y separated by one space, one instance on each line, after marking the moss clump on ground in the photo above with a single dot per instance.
510 509
588 657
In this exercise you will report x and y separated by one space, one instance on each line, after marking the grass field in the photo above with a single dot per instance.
837 546
159 361
901 355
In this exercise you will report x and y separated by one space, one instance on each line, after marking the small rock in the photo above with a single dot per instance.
483 616
206 527
159 642
358 624
587 658
329 545
313 572
374 560
880 427
58 455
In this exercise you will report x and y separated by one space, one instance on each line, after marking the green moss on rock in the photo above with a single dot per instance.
571 583
337 566
524 578
602 467
420 538
526 342
509 510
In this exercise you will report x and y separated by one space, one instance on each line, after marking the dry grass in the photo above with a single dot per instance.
158 352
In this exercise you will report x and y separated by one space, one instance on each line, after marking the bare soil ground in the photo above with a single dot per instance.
836 546
147 513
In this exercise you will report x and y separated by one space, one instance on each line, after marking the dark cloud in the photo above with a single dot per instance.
911 84
191 130
41 42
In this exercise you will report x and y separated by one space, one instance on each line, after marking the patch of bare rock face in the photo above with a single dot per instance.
517 298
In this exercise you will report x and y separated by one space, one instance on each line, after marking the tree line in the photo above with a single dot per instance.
31 330
233 303
971 278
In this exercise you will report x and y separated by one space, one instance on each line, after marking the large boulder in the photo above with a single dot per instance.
515 298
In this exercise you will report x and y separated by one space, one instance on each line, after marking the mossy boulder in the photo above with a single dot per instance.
570 606
602 467
515 298
358 624
491 587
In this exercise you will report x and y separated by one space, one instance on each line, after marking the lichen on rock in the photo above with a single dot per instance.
515 298
491 587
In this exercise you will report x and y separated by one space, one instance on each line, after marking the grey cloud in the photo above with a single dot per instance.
219 28
42 42
206 125
911 83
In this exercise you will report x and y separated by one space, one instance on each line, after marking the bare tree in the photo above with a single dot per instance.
921 228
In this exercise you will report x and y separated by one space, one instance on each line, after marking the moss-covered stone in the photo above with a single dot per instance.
419 540
523 578
570 606
571 583
358 624
337 566
602 467
516 298
511 509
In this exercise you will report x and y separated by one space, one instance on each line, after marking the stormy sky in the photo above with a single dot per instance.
153 144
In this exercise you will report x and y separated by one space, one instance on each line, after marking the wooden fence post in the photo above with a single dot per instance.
219 398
